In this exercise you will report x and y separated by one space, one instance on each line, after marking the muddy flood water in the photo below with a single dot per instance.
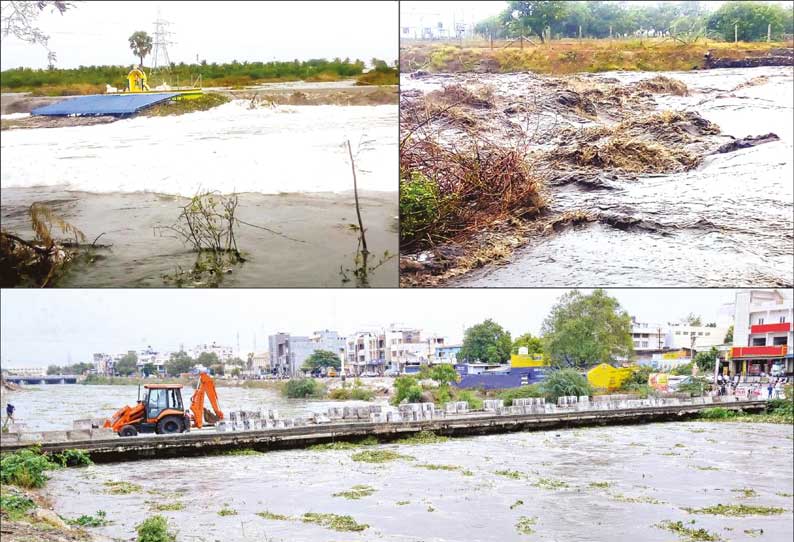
598 484
726 222
34 404
288 164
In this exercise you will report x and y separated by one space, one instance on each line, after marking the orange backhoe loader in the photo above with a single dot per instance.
161 410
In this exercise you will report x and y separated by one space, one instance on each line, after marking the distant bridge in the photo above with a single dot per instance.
48 379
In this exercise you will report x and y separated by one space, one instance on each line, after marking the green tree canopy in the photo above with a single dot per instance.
692 319
585 330
533 344
729 335
527 17
752 19
180 362
127 365
443 373
141 44
486 342
53 370
208 359
322 358
148 369
706 360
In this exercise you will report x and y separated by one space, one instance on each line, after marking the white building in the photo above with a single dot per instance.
648 336
762 334
224 353
365 352
288 353
698 338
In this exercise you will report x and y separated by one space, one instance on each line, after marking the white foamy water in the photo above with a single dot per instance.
229 148
15 116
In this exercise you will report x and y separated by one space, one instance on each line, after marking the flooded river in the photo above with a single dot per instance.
53 407
598 484
128 179
726 223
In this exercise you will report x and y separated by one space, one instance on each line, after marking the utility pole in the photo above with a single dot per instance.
735 33
160 57
769 32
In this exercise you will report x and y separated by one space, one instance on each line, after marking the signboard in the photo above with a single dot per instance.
659 381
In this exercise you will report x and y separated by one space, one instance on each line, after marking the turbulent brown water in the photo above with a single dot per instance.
598 484
726 223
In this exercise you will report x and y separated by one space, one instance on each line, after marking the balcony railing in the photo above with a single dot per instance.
761 351
771 328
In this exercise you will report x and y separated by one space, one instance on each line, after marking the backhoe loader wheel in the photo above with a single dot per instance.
169 424
128 431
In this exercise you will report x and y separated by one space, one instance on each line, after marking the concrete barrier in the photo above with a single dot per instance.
79 434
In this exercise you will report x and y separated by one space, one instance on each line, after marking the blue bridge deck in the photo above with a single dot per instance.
103 104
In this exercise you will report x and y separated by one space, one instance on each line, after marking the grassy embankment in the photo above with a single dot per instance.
92 79
572 56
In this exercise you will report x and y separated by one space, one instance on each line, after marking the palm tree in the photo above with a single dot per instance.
141 44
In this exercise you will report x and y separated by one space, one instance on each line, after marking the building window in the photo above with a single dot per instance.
759 342
760 321
708 333
779 341
686 333
782 319
678 333
645 344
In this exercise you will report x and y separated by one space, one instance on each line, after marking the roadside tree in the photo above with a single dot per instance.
585 330
486 342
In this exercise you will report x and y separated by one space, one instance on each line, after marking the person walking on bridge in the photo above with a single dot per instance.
9 414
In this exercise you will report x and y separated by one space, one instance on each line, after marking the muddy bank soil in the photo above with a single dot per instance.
582 134
313 236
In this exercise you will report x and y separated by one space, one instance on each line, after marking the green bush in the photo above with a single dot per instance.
717 413
682 370
406 388
300 388
72 458
15 507
694 387
782 407
533 390
155 529
565 382
420 206
25 468
475 403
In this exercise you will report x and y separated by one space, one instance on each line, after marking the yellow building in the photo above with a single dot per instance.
527 360
607 377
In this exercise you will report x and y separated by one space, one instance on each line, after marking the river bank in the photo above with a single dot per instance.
643 161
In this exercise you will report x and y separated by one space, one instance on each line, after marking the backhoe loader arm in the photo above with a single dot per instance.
126 415
206 387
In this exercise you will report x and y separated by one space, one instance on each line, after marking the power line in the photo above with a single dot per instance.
162 35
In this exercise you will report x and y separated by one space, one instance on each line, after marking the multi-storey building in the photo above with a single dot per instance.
648 336
224 353
365 352
762 335
289 352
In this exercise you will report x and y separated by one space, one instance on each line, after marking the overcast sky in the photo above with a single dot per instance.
41 327
474 11
95 33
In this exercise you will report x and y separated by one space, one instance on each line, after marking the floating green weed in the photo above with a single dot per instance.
753 532
154 529
240 451
99 520
434 466
547 483
637 500
705 467
379 456
122 488
368 441
334 521
690 534
423 437
737 510
600 485
271 515
525 525
516 504
166 506
746 492
514 474
402 503
356 492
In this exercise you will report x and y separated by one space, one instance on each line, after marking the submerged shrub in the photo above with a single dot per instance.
419 208
73 458
15 507
300 388
155 529
25 468
566 382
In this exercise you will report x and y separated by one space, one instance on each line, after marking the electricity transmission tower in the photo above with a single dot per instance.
160 58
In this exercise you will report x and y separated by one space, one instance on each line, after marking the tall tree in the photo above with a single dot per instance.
585 330
752 19
179 362
729 335
128 364
208 359
141 45
533 344
527 17
692 319
321 358
486 342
